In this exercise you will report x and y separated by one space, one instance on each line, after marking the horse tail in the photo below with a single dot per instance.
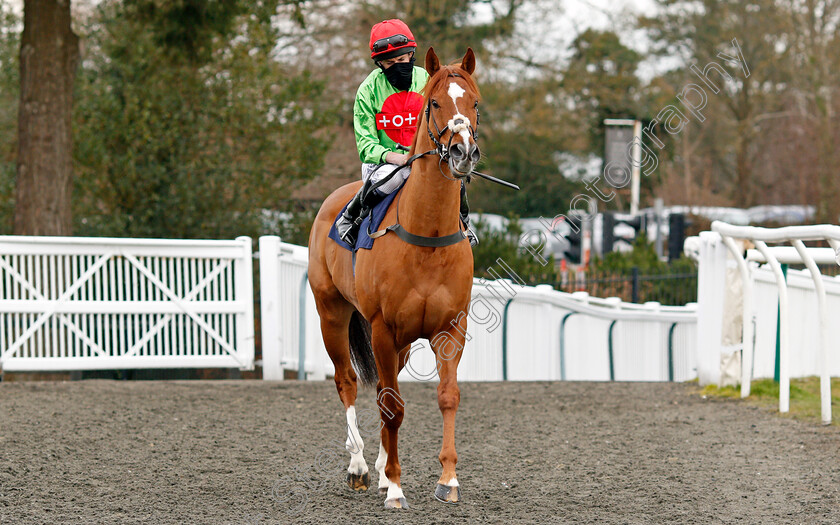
361 354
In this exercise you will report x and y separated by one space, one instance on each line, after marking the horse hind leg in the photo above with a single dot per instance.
358 477
336 315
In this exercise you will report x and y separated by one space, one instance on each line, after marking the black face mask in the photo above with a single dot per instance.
399 74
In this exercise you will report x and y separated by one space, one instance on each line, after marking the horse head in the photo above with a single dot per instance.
452 101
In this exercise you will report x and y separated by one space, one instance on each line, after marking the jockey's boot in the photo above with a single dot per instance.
465 215
348 224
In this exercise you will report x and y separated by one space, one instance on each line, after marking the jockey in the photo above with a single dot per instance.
385 115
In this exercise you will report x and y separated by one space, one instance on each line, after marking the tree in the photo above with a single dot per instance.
523 128
696 32
447 26
190 138
49 53
815 46
600 82
9 95
543 127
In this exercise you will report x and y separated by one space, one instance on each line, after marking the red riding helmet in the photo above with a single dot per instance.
389 39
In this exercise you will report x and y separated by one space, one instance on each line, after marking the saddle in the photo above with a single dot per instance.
369 225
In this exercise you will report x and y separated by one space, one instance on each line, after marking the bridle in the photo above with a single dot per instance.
441 149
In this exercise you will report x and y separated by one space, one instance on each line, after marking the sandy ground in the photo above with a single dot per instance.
230 451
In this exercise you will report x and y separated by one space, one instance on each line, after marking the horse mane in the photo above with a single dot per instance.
433 84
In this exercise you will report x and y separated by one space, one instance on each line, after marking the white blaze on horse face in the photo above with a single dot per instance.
456 92
354 445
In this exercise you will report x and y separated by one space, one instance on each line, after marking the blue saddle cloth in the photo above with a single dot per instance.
371 222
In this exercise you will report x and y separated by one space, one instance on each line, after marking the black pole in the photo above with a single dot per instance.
607 233
676 235
635 284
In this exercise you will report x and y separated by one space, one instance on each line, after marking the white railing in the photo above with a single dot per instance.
515 332
803 326
71 303
757 329
288 319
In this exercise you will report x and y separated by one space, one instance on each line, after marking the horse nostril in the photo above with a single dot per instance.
458 151
475 153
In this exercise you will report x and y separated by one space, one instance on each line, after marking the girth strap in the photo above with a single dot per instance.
420 240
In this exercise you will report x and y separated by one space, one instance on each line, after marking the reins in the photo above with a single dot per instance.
388 177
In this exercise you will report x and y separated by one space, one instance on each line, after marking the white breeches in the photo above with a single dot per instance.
375 172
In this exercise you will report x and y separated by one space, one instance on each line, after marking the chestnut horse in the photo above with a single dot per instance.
404 289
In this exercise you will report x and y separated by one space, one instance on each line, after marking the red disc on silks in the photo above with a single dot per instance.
399 116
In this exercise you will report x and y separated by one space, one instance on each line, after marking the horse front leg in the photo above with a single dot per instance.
448 347
391 410
382 458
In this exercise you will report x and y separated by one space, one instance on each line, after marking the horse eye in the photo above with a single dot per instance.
435 104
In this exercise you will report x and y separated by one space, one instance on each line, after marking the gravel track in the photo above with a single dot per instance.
102 451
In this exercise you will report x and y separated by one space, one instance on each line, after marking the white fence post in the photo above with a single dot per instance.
244 272
784 327
825 358
747 317
270 307
710 283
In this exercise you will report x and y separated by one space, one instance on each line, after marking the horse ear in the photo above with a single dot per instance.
432 62
468 62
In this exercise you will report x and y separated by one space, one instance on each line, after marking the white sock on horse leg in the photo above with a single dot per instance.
381 460
354 444
394 492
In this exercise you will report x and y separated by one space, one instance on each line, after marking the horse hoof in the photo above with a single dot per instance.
447 494
358 482
397 503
